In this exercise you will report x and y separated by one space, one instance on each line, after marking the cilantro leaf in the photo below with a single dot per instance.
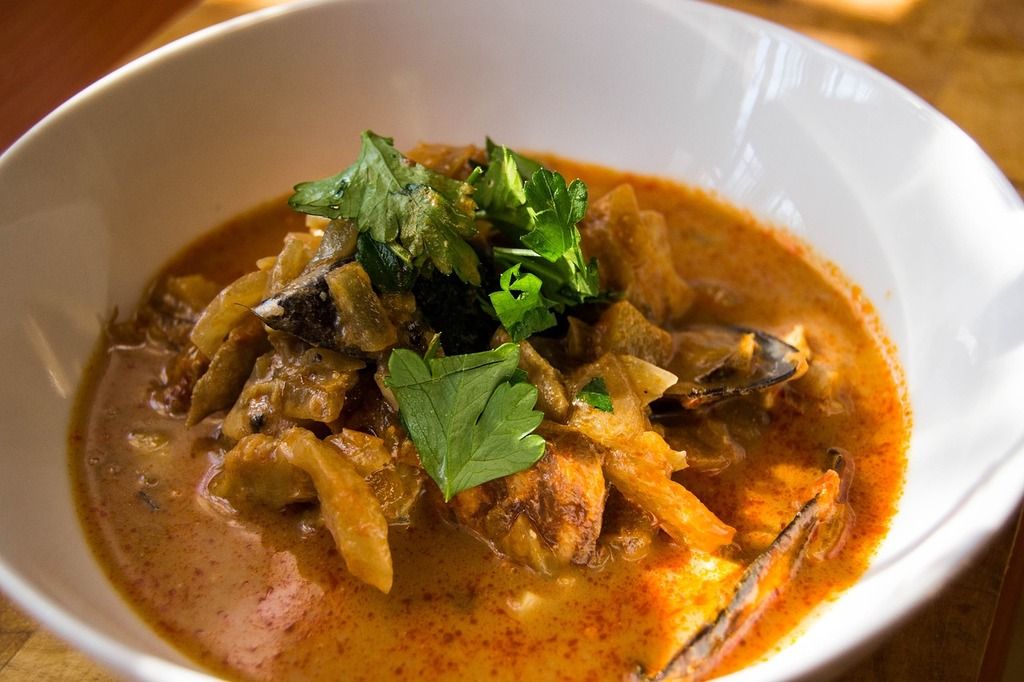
534 206
525 313
554 211
468 422
387 271
595 394
563 284
419 213
499 190
524 164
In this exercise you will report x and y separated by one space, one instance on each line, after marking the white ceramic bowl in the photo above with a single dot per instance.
95 197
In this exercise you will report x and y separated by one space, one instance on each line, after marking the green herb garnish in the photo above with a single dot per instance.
554 210
421 215
524 164
563 285
470 415
520 306
499 190
387 271
535 207
595 394
469 422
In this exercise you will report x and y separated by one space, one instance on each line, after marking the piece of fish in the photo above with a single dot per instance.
304 307
547 516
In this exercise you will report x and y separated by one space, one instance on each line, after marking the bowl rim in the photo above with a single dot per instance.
127 660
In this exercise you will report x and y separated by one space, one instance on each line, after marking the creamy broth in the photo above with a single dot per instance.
267 596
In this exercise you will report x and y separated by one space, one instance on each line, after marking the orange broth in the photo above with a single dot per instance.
269 598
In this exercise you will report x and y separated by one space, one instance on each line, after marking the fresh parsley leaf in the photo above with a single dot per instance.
533 206
388 272
563 284
520 306
499 190
595 394
554 211
469 423
419 213
525 165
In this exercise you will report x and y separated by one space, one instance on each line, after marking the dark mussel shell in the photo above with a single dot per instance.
715 362
762 580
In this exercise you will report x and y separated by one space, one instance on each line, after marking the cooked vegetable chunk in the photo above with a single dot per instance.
639 461
169 313
255 473
623 329
349 509
188 294
397 485
219 386
628 530
455 162
290 384
631 246
298 250
632 385
552 396
173 394
362 320
229 308
646 481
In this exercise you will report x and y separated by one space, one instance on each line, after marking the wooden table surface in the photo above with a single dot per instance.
966 57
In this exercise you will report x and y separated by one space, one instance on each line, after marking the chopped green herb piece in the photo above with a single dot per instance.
535 207
400 203
554 211
520 306
562 283
388 272
469 423
524 164
595 394
499 190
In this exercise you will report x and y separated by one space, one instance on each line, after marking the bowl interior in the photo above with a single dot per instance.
99 195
